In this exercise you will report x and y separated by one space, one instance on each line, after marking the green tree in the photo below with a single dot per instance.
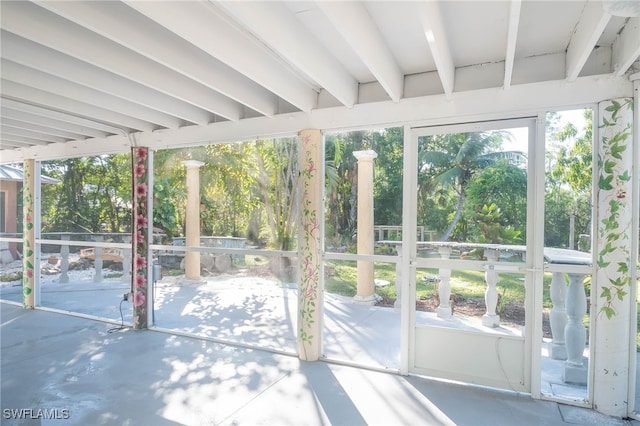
504 186
387 190
94 194
277 188
568 180
340 186
451 161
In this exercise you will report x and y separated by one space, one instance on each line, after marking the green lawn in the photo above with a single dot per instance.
341 277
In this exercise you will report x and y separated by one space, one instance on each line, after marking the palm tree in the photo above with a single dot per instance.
453 159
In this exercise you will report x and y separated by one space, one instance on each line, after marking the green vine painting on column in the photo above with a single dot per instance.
28 249
310 273
612 180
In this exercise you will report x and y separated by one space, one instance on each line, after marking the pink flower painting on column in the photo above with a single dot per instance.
140 232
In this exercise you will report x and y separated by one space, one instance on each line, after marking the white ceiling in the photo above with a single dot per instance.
86 75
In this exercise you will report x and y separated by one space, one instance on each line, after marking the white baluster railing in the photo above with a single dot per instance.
558 315
491 318
575 333
444 287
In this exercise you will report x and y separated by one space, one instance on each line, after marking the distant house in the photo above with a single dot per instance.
10 185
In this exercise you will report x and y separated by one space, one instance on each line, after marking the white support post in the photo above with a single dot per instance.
192 258
611 319
366 290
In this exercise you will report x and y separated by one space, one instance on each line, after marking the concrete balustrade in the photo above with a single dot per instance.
491 318
569 336
558 316
444 286
575 333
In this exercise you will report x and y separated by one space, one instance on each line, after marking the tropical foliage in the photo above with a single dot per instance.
451 165
470 188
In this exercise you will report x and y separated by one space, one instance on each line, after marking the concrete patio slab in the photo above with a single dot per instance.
76 366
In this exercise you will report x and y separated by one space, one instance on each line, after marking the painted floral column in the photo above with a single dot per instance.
613 256
310 293
140 242
29 243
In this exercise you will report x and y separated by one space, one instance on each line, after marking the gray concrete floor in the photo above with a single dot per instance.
76 366
258 312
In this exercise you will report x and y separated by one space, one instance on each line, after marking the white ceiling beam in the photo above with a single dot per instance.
6 129
353 22
521 100
56 119
22 139
34 23
11 122
434 29
109 145
202 25
61 87
291 40
33 55
45 124
121 24
70 106
589 29
7 144
512 38
626 47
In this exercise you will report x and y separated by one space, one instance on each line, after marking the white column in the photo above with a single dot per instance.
491 319
310 303
558 316
615 254
444 286
366 287
575 333
29 234
192 258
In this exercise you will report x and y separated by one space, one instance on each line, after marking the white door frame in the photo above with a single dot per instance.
535 242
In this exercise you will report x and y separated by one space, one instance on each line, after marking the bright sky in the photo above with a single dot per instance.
520 134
